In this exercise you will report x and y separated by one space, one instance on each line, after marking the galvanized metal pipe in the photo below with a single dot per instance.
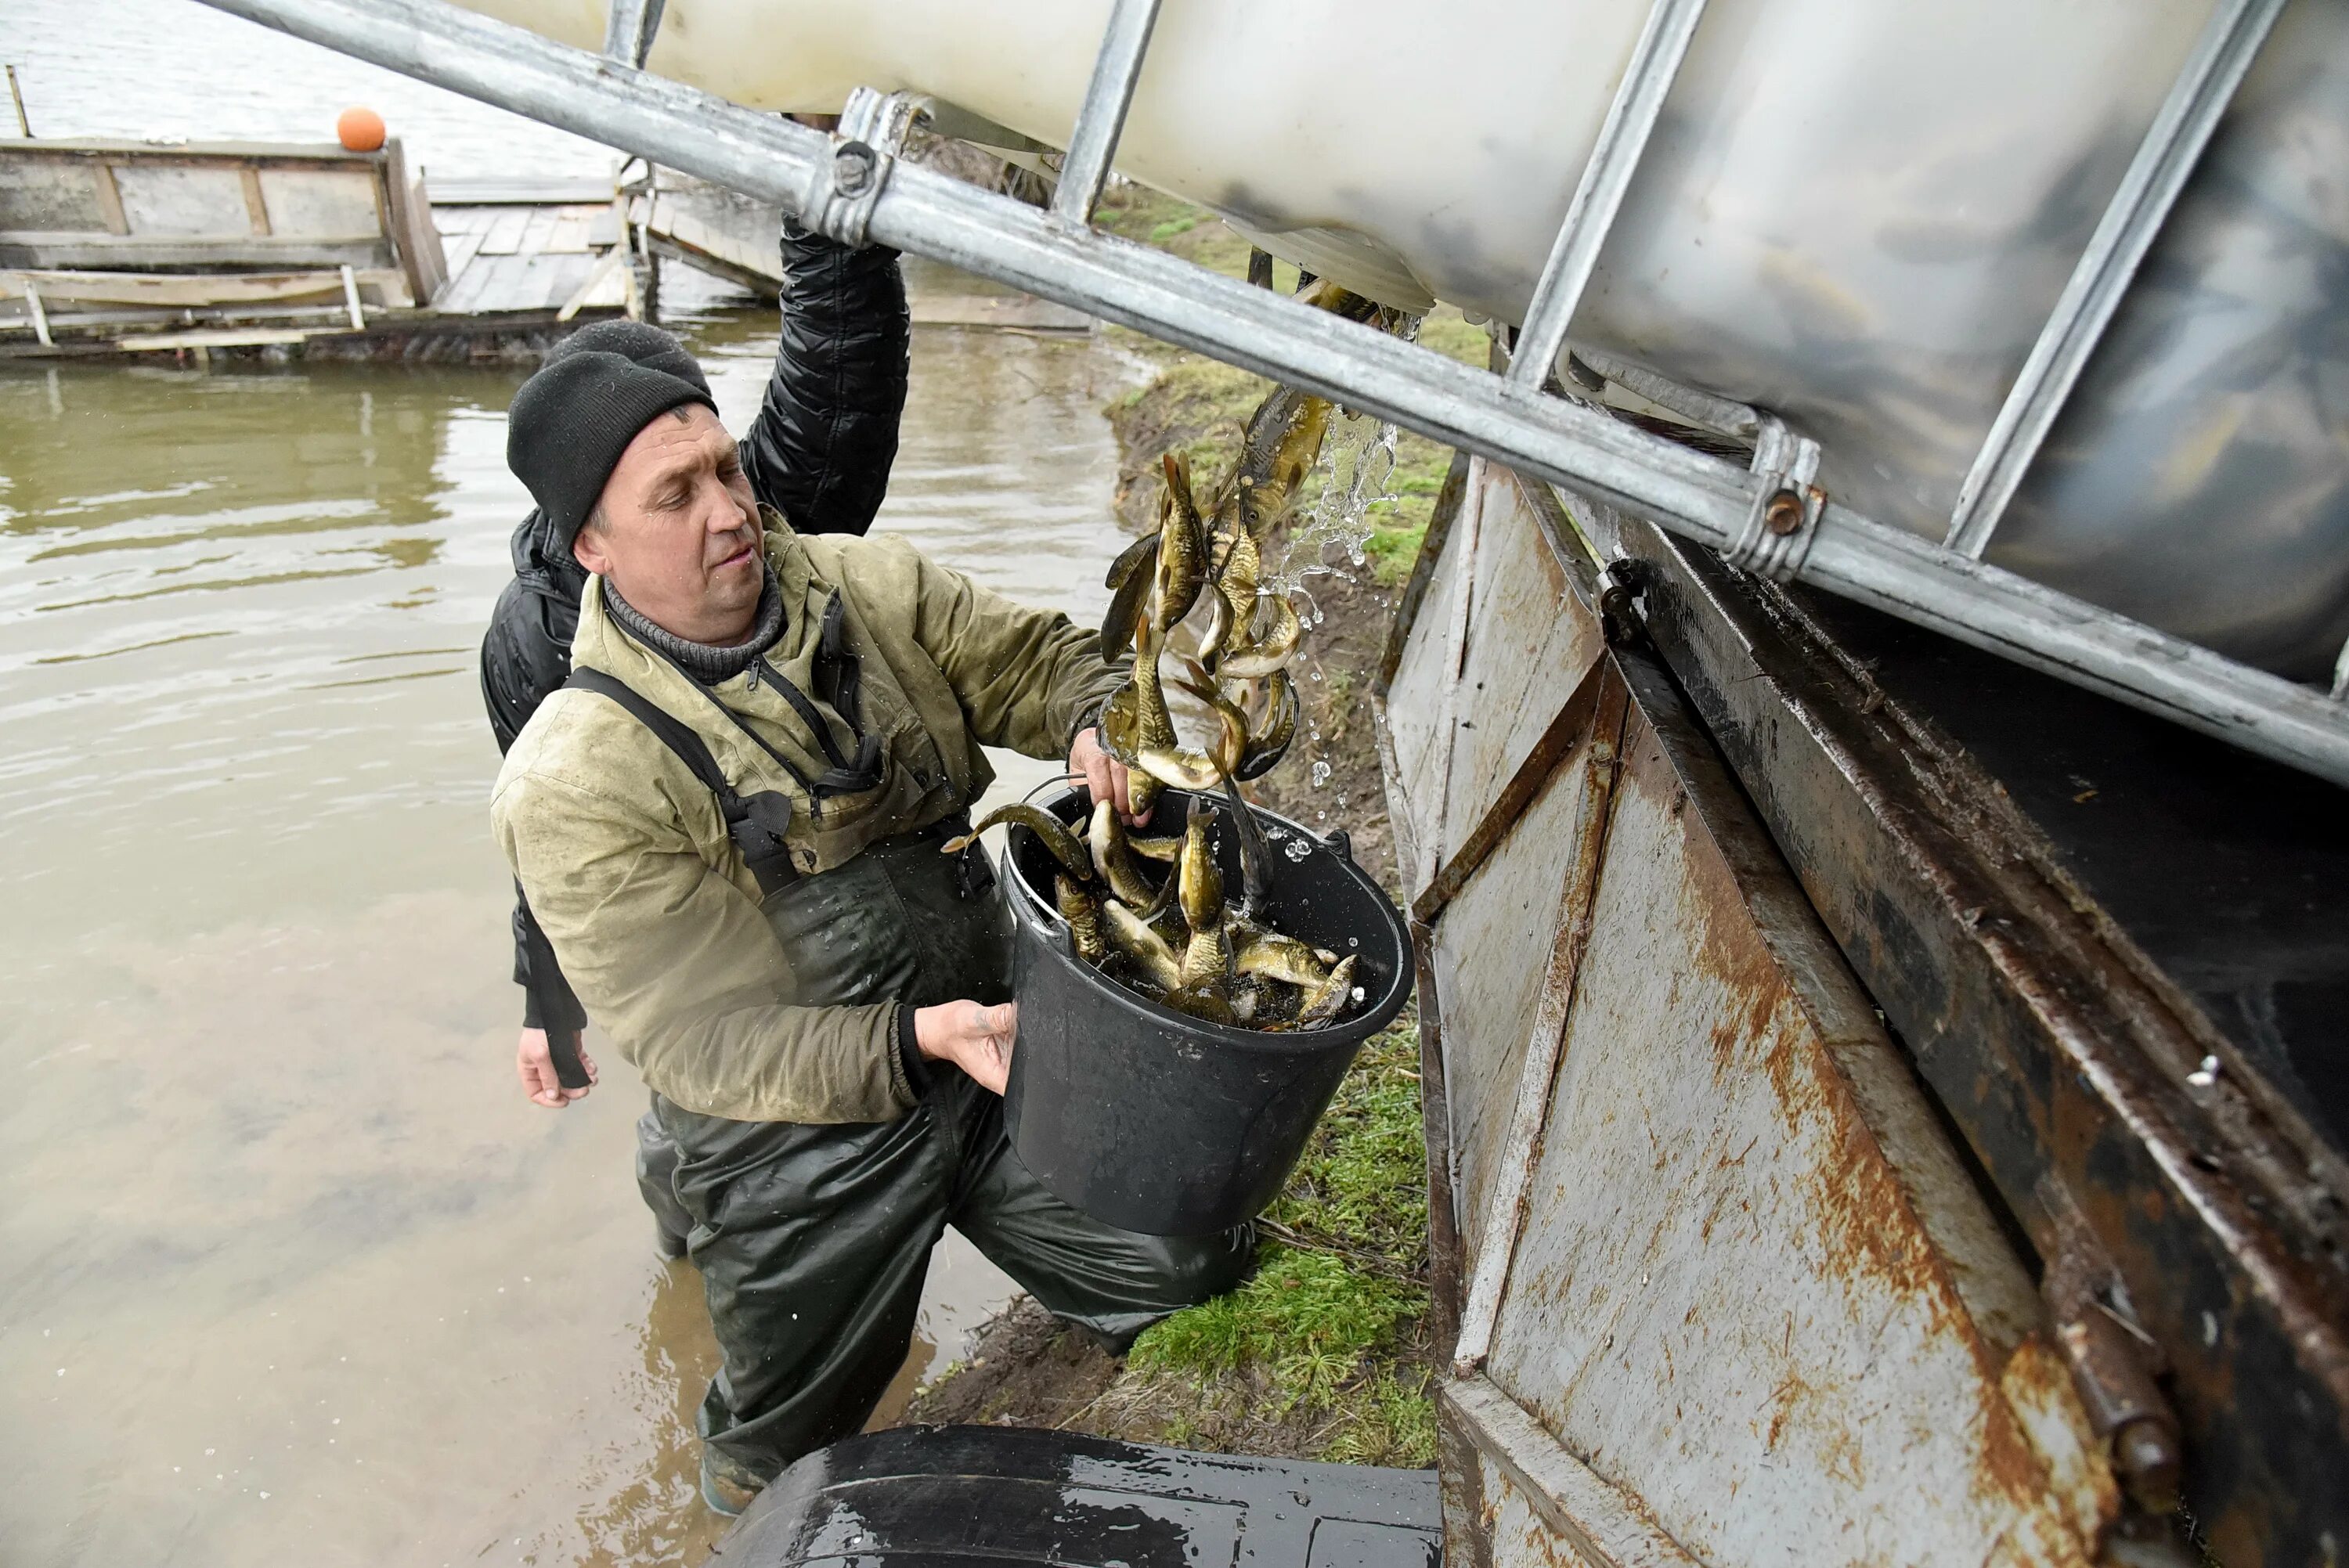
2164 159
628 31
1599 196
1102 116
1697 497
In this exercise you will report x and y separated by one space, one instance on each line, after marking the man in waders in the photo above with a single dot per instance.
727 824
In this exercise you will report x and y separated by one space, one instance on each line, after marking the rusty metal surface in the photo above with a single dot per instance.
1545 1506
1755 1286
2075 1058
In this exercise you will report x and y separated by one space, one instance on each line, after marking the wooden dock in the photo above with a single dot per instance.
728 236
112 249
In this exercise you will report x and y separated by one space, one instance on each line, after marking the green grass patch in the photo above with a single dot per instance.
1323 1320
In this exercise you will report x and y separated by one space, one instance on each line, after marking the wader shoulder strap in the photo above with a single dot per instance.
756 825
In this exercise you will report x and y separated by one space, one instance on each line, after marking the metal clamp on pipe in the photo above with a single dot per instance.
1785 519
843 189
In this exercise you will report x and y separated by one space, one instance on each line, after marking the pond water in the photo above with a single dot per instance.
289 1269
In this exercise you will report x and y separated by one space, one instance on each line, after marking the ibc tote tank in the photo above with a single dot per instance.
1855 216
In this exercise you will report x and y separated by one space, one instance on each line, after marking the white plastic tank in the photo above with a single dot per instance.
1855 216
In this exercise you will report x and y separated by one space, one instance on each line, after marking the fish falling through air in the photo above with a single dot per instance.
1168 931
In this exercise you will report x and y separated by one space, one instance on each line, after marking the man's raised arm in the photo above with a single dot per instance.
820 450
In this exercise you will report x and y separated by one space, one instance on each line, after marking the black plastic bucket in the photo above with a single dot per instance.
1151 1120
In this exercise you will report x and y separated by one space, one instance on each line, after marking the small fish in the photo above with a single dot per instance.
1082 913
1132 585
1182 547
1121 724
1279 447
1057 838
1276 956
1131 559
1163 850
1153 727
1263 655
1202 880
1184 767
1207 960
1133 936
1113 856
1326 1001
1208 1004
1268 743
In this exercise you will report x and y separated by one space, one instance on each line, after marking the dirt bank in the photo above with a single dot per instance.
1324 1354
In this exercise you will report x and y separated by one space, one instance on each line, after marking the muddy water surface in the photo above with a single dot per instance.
289 1270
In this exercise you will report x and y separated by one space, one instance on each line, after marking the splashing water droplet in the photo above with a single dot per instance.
1297 849
1320 773
1353 941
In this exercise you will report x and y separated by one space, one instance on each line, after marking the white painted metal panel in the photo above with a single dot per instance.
1488 949
1419 698
1529 643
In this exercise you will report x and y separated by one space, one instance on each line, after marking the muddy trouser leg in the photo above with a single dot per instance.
813 1243
1112 1282
657 1157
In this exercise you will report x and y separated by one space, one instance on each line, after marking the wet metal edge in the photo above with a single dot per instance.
2038 1054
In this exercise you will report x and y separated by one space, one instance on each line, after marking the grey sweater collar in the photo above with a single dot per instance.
704 662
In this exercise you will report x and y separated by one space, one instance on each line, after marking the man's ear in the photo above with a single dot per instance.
586 548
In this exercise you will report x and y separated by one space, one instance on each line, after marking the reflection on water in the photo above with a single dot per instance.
287 1266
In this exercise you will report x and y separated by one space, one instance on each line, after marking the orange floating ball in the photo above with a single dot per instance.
359 129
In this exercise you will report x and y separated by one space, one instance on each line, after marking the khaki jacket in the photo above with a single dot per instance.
624 854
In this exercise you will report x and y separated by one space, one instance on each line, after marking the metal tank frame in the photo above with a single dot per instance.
1769 518
1958 914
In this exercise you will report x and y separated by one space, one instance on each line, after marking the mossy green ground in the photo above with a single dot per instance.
1327 1331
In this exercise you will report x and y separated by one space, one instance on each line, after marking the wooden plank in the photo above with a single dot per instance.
569 236
503 234
184 289
222 337
539 231
480 278
33 252
256 210
461 250
110 199
559 276
522 192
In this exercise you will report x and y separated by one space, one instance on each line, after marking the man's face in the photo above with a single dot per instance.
680 535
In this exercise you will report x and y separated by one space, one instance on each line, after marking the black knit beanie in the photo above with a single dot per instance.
572 420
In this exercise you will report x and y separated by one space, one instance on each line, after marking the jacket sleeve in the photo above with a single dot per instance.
821 449
523 659
1027 679
678 966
